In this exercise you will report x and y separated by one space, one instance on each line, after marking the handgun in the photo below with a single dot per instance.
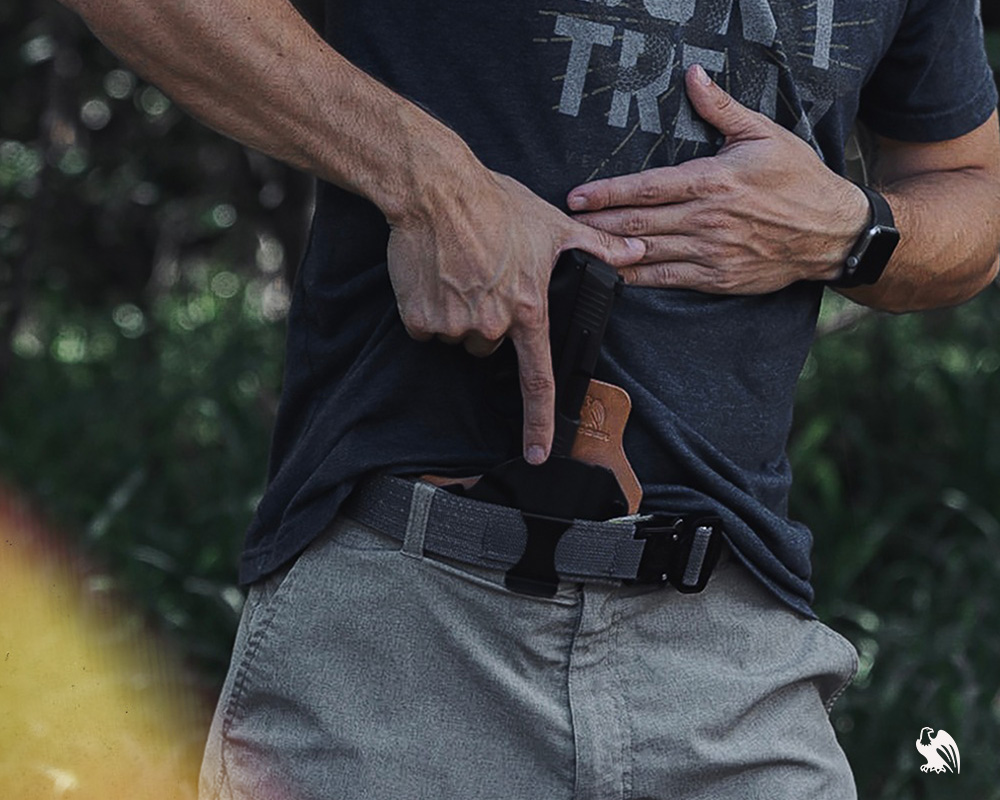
587 475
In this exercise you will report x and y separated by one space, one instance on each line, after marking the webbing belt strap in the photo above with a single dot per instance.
640 548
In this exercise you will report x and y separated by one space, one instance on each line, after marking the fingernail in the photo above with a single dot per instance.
577 202
535 454
701 76
636 246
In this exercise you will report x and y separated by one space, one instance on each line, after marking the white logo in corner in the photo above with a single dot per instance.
940 750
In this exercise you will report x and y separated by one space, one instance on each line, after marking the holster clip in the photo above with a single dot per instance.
535 573
681 551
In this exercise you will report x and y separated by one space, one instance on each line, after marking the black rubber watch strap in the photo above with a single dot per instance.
875 245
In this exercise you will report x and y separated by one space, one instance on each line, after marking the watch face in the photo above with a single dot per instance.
874 248
870 256
880 248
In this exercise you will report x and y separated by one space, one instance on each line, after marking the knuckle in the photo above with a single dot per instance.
659 274
716 251
635 224
492 330
451 327
700 181
714 220
538 381
664 274
648 192
535 429
710 182
724 101
603 238
532 316
415 322
715 280
453 332
727 282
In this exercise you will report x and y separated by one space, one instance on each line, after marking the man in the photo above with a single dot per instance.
461 147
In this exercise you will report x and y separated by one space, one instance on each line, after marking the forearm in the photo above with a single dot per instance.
470 251
949 221
255 71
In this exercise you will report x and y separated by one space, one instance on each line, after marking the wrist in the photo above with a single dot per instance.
874 246
847 225
379 145
428 173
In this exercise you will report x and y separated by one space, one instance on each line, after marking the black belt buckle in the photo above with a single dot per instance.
681 551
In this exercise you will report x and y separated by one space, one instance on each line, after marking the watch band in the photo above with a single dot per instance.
874 247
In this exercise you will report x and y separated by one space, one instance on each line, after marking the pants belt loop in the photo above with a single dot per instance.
416 524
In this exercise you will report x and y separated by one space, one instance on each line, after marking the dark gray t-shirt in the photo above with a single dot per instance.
556 94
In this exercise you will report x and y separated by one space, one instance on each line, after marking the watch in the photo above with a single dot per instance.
875 245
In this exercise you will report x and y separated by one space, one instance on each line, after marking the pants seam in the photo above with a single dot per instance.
570 693
234 703
627 756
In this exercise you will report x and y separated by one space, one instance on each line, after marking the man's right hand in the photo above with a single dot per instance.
470 264
471 251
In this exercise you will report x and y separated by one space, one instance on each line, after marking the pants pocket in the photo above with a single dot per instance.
843 658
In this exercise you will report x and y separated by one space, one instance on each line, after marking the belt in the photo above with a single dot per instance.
536 551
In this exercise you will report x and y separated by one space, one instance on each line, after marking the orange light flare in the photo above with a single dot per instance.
92 705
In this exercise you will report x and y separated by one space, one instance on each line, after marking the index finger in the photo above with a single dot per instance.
649 188
538 390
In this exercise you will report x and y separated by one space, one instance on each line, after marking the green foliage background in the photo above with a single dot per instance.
144 266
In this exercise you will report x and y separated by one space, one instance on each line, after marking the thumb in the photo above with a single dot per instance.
618 251
718 108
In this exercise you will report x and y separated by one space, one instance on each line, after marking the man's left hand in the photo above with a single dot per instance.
760 214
